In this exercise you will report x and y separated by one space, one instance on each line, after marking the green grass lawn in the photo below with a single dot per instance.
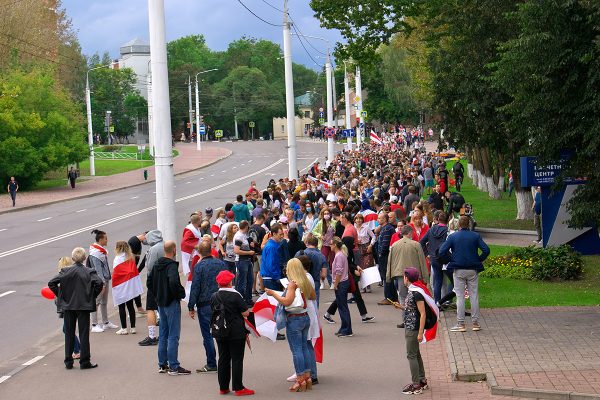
500 250
111 167
488 212
500 292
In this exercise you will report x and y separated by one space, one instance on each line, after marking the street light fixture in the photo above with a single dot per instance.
198 136
88 102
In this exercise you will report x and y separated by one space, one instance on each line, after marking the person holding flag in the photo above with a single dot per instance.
420 326
191 236
126 285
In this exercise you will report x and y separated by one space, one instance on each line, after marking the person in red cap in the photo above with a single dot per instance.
231 346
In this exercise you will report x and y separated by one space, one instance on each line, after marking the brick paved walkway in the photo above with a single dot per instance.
547 348
189 159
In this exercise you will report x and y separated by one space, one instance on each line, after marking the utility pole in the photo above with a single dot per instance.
330 145
235 113
88 104
165 200
198 136
335 114
347 102
190 109
289 94
150 122
359 130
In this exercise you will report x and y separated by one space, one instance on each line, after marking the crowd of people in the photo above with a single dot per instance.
389 207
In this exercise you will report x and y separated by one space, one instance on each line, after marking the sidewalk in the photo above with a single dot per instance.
534 352
189 159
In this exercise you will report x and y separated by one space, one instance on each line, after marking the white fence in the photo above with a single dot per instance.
101 155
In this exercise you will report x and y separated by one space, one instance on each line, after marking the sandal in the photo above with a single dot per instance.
76 356
299 386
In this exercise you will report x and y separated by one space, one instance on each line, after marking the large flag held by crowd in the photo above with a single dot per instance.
375 138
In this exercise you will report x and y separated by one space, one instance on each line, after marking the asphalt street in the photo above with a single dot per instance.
32 241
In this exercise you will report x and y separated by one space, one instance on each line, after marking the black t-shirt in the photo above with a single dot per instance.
257 234
235 305
412 316
12 186
339 229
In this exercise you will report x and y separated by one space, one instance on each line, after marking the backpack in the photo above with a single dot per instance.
220 327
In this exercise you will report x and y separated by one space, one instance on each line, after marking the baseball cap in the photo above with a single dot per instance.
224 278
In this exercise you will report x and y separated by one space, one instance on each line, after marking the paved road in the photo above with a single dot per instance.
32 241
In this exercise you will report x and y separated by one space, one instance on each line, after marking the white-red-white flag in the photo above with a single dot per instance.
418 286
190 238
264 316
126 281
375 138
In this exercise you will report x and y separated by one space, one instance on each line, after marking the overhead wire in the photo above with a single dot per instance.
256 15
304 47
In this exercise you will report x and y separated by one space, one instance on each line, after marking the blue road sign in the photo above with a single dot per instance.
203 129
361 125
348 133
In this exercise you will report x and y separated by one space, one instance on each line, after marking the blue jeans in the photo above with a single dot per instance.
169 331
244 279
318 292
341 297
438 279
297 336
204 316
312 360
77 346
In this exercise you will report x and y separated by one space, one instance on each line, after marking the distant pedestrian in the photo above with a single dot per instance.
76 289
72 175
537 213
164 284
467 263
204 285
13 188
98 260
232 345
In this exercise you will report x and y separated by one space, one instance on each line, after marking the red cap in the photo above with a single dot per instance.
230 214
224 278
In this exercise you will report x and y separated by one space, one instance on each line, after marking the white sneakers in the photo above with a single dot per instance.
97 329
132 331
109 325
122 331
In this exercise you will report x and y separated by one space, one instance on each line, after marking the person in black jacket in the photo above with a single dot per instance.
231 348
76 289
164 283
136 242
431 243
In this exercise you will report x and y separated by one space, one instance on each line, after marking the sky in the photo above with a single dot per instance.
105 25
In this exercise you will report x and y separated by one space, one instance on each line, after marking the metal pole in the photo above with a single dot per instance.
150 122
88 104
190 109
165 201
347 102
333 90
235 113
198 136
359 131
330 145
289 94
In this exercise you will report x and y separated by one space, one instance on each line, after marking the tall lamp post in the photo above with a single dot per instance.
198 136
88 104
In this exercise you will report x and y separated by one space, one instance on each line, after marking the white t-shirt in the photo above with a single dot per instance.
241 239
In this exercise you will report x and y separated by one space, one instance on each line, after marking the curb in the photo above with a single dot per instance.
506 231
498 390
112 189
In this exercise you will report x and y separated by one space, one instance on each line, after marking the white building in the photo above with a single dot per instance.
136 55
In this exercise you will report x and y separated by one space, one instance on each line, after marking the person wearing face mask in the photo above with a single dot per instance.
309 219
324 232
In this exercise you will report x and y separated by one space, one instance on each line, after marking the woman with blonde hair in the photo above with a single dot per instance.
127 284
226 247
64 262
299 290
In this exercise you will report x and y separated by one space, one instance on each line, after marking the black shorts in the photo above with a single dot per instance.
151 302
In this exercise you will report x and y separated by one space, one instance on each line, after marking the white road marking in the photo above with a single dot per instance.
250 160
132 214
44 219
154 192
109 204
33 360
134 197
224 170
242 165
212 175
187 183
4 378
82 210
7 293
3 229
200 179
233 167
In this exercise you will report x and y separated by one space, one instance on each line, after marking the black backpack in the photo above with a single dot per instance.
220 327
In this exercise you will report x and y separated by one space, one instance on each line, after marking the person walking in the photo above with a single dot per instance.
319 264
341 285
232 344
76 289
537 213
126 284
466 263
204 285
12 189
298 292
98 260
164 284
72 176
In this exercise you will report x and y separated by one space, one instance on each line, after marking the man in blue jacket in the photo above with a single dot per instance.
467 263
270 269
204 285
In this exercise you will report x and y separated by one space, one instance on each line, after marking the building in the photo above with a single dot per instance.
302 124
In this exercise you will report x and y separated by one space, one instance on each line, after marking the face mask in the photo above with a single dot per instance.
308 209
327 217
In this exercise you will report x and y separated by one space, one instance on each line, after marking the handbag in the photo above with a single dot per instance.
280 315
298 305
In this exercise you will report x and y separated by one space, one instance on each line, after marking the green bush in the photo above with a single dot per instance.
536 263
110 148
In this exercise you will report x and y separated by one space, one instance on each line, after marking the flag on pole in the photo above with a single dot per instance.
191 236
418 286
126 281
375 138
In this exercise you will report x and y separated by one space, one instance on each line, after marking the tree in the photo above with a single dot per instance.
551 71
41 129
